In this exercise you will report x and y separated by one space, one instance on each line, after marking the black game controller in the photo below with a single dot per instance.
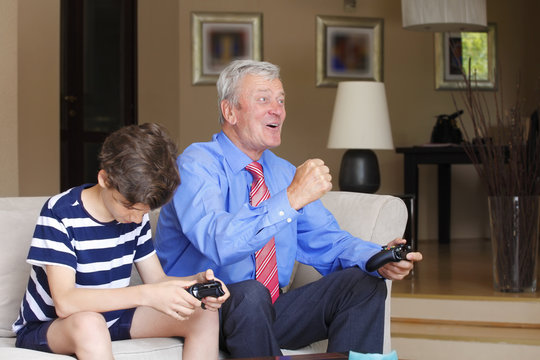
202 290
387 254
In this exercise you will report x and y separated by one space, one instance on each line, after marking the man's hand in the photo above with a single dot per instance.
399 270
311 181
212 303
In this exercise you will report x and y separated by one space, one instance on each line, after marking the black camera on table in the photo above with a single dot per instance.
202 290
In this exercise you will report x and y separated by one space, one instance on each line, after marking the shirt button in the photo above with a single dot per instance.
281 213
289 220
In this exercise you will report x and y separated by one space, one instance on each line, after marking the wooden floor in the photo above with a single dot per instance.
447 309
461 268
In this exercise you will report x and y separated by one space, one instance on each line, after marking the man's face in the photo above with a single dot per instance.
255 125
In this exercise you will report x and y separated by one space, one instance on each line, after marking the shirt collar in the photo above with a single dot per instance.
236 159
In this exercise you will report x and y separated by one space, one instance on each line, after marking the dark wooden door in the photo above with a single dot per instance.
98 81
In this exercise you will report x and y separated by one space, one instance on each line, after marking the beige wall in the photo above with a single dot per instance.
167 96
38 97
9 165
158 48
289 37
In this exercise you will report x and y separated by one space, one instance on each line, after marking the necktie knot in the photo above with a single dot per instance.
259 191
256 170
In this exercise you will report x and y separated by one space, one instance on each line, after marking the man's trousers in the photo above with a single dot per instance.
346 307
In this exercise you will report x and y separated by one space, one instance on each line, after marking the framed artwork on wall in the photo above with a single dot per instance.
454 49
219 38
349 48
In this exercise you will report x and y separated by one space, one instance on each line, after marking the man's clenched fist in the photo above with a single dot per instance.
311 181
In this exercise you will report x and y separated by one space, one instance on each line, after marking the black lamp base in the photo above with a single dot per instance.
359 171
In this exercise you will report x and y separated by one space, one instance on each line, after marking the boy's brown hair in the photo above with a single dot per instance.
140 162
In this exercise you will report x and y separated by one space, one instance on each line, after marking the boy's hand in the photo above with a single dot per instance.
211 303
171 298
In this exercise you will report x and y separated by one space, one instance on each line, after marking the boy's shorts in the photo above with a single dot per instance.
33 335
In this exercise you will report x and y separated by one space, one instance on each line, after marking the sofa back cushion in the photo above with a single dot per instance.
18 217
372 217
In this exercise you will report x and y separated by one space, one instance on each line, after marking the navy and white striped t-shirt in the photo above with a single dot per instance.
101 254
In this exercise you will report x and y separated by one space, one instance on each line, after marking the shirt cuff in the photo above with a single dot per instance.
279 209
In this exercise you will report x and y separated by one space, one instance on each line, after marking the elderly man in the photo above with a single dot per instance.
248 215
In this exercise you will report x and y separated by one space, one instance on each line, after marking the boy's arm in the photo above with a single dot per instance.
169 297
151 272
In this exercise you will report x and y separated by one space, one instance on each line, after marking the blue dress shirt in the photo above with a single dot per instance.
209 223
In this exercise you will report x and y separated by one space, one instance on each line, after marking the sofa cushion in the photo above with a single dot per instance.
135 349
25 354
147 349
372 217
18 217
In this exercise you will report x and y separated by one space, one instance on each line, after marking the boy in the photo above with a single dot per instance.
85 242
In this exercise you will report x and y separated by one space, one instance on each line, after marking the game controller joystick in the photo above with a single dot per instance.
202 290
387 254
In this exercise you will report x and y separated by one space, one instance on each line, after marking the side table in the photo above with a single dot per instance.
443 157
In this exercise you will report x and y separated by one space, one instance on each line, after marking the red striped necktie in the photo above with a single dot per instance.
265 258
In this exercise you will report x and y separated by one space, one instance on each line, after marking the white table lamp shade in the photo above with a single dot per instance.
360 119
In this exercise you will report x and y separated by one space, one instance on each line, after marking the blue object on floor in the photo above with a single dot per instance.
359 356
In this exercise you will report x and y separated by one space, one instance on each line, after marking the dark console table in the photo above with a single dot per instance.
443 157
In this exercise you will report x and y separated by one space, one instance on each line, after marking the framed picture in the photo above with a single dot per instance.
219 38
454 52
349 49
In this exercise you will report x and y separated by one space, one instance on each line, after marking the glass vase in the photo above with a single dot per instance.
514 223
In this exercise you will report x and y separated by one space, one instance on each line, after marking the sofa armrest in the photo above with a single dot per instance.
371 217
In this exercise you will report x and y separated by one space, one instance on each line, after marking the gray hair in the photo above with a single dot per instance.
230 77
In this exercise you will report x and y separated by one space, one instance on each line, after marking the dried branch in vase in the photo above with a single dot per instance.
508 162
504 150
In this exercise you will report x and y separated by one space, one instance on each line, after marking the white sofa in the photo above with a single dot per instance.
377 218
